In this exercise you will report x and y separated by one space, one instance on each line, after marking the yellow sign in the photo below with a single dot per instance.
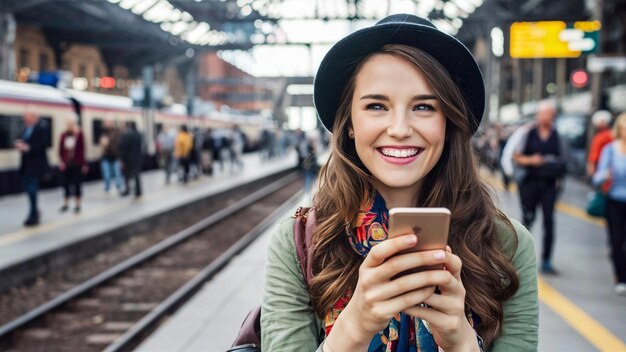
553 39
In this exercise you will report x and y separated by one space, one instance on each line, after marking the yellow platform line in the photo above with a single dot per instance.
45 228
562 207
585 325
576 212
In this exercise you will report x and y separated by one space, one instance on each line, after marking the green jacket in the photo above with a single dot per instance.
289 323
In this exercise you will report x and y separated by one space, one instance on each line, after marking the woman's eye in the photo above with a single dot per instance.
375 106
424 107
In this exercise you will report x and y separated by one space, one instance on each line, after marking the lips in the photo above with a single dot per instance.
399 155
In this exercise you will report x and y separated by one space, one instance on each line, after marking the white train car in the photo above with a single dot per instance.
55 107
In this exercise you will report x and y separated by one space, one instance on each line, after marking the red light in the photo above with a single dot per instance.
579 78
107 82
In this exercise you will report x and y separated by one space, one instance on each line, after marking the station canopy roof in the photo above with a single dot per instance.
139 32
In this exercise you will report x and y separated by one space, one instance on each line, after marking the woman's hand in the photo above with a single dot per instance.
446 311
377 298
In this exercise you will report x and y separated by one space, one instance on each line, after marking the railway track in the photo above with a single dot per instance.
117 308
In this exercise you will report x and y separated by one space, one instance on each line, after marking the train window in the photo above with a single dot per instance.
12 127
96 131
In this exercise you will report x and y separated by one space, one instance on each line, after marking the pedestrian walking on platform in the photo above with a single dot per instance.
402 100
182 150
131 154
195 166
206 155
218 147
32 145
502 136
542 154
166 140
612 168
601 121
109 162
309 165
72 164
236 146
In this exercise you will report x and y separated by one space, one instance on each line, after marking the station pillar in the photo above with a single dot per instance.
7 46
190 87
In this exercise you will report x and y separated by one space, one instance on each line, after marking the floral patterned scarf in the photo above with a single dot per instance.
404 333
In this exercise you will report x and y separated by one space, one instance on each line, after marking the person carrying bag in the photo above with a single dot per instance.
612 167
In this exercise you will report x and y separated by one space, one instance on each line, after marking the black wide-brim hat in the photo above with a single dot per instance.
340 62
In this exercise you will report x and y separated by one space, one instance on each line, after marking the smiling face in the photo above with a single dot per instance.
398 125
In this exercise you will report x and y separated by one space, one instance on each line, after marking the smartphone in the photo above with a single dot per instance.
430 225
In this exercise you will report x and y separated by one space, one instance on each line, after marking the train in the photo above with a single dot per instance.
55 106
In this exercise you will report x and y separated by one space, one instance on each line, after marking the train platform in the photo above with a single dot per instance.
102 212
578 309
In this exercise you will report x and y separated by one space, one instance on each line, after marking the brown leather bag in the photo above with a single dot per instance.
249 337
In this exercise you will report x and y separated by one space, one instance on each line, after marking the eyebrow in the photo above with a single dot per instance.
386 98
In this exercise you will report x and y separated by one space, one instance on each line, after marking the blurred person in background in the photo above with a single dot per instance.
299 139
109 163
165 142
601 121
542 155
502 136
309 165
33 161
131 153
236 146
612 168
72 164
182 150
281 140
206 156
195 168
218 146
264 144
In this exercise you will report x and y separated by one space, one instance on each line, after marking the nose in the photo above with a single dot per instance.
399 126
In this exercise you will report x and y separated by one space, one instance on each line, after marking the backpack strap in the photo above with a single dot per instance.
249 336
303 234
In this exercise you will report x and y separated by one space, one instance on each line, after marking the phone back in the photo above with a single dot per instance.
431 225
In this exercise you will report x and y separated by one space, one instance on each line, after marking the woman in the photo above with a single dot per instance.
612 168
402 100
72 164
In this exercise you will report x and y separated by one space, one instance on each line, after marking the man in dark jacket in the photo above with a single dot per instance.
543 156
34 162
131 154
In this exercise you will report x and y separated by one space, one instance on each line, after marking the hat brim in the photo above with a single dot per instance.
340 62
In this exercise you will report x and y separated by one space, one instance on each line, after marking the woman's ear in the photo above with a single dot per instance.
350 133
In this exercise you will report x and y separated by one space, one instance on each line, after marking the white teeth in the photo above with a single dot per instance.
399 153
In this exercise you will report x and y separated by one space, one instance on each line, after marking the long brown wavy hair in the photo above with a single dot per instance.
488 274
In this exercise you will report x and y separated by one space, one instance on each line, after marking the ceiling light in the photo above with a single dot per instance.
464 5
128 4
142 6
450 10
